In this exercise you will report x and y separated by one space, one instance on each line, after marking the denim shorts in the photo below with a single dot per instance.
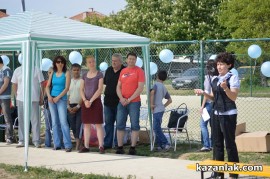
133 110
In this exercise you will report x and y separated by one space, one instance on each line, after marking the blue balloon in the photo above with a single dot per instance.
153 68
139 62
5 60
234 71
265 69
46 64
75 57
166 56
254 51
103 66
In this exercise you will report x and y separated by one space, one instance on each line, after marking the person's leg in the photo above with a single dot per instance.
21 122
100 136
86 134
160 137
78 125
55 125
62 111
48 123
72 121
205 133
134 114
5 104
121 119
228 127
110 117
35 121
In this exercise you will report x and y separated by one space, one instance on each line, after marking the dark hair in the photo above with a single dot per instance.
132 54
1 60
227 58
63 60
211 67
162 75
75 65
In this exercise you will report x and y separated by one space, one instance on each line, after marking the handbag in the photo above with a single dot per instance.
175 115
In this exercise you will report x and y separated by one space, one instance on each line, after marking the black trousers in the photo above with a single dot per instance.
223 129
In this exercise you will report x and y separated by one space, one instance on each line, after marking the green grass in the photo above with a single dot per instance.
42 172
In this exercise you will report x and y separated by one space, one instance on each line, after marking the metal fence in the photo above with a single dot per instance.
253 100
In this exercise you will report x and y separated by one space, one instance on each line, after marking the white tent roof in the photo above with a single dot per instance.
53 32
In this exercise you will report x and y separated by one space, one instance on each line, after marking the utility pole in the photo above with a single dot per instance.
23 5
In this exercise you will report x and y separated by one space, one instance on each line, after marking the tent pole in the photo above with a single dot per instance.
146 61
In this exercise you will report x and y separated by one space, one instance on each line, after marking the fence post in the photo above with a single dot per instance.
202 65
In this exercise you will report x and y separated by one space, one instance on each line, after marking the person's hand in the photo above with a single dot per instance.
198 91
201 110
41 102
56 99
123 101
69 109
87 104
50 99
224 85
74 109
152 107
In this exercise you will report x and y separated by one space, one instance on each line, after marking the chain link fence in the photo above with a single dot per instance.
186 72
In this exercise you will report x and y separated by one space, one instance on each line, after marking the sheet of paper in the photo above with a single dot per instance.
205 115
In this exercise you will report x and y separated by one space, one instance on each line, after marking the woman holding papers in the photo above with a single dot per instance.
206 108
225 88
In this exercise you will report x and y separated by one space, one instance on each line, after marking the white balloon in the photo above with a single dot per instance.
20 58
166 56
5 60
46 64
103 66
254 51
234 71
75 57
153 68
139 62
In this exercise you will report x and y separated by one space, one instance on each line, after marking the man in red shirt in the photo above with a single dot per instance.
129 87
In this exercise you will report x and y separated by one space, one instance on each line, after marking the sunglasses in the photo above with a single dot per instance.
60 62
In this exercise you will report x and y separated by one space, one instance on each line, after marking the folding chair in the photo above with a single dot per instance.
178 129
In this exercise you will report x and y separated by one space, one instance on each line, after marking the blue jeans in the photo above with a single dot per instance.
110 118
204 129
48 122
133 110
59 122
161 140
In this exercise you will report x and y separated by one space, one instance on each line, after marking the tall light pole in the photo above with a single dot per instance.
23 5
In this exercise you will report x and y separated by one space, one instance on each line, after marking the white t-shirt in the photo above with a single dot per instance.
74 91
37 79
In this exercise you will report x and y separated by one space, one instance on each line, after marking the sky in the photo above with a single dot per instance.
65 8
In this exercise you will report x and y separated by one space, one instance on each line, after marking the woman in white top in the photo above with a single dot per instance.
225 88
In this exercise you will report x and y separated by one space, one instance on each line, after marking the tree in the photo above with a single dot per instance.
245 18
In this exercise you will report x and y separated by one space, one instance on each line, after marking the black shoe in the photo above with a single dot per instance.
68 149
84 150
120 150
107 147
57 148
132 151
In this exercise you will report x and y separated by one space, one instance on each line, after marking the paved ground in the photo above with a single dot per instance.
115 165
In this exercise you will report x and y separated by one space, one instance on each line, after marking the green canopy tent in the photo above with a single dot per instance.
32 32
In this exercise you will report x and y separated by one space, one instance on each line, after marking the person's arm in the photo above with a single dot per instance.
119 94
48 88
98 92
137 92
152 99
15 88
202 92
231 93
169 101
5 85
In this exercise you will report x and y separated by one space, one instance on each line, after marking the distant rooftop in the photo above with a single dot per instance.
90 14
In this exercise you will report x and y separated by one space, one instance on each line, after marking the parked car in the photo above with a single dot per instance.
189 79
175 73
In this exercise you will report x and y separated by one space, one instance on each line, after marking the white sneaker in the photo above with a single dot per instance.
205 149
20 144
